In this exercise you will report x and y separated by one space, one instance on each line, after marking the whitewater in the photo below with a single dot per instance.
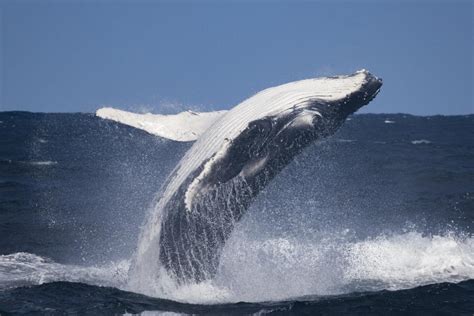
281 268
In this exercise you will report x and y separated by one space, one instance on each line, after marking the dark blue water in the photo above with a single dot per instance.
378 218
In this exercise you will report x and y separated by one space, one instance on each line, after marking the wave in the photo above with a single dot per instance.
410 260
30 162
26 269
41 163
76 298
343 140
280 268
420 141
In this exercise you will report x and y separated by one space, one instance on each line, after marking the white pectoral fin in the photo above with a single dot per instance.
182 127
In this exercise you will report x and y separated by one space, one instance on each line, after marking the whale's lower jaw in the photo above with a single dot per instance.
199 214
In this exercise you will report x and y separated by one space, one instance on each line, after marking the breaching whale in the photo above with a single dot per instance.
229 164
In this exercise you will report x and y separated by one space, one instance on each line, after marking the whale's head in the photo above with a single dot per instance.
367 90
313 109
326 103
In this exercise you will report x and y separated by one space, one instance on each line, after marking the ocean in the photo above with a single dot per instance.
378 218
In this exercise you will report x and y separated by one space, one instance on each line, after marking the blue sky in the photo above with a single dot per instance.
71 56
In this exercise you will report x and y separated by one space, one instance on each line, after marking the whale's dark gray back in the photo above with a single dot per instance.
222 173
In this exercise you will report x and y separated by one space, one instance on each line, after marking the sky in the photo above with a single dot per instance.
78 56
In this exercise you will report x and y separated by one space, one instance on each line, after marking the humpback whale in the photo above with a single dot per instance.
212 186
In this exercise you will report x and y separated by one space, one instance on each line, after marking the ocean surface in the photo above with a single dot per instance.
378 218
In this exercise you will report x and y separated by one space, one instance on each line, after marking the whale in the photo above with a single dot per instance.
217 179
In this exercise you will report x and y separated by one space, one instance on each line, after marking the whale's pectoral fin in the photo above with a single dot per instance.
182 127
246 154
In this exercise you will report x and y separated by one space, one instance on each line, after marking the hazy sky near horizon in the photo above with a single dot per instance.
74 56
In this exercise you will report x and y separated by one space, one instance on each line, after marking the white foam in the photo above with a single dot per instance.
281 268
411 259
342 140
284 268
25 269
389 122
420 141
182 127
42 163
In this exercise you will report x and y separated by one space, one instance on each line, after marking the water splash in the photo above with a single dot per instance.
280 268
26 269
